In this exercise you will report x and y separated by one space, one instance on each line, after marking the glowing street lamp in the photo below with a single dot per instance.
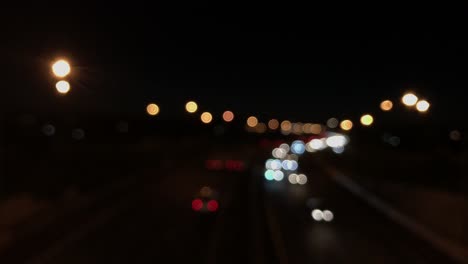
252 121
422 106
228 116
61 68
386 105
152 109
62 87
346 125
367 120
409 99
191 107
206 117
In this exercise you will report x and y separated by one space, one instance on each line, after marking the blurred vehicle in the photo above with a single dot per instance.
206 201
228 165
318 211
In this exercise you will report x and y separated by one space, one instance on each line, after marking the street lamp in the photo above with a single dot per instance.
367 120
62 87
409 99
152 109
191 107
61 68
422 106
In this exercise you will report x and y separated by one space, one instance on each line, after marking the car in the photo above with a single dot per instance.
206 201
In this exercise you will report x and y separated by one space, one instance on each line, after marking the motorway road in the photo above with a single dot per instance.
256 223
154 221
358 234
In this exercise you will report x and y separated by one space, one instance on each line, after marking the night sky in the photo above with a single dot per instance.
304 62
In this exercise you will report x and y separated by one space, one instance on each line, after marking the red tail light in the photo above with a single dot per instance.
197 204
235 165
214 164
212 206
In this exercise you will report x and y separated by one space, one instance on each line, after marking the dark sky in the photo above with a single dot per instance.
304 62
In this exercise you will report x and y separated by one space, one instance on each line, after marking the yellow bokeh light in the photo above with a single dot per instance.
409 99
61 68
261 128
386 105
307 128
191 107
346 125
252 121
62 87
423 106
228 116
286 125
316 129
206 117
273 124
367 120
297 128
152 109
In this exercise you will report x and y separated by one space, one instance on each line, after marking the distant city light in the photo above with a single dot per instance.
298 147
228 116
292 178
316 129
332 122
386 105
409 99
297 128
48 130
455 135
307 128
152 109
269 174
62 87
252 121
286 125
367 120
278 175
327 215
301 179
317 215
261 128
78 134
191 107
273 124
346 125
317 144
61 68
336 141
423 106
285 147
206 117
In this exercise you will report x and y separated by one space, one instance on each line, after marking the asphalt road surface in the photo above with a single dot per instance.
257 222
357 234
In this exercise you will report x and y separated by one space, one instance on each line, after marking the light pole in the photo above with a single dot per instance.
61 69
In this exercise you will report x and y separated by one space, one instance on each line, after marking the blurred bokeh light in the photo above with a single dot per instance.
252 121
228 116
386 105
332 122
367 120
346 125
191 107
152 109
61 68
62 87
206 117
409 99
273 124
422 106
